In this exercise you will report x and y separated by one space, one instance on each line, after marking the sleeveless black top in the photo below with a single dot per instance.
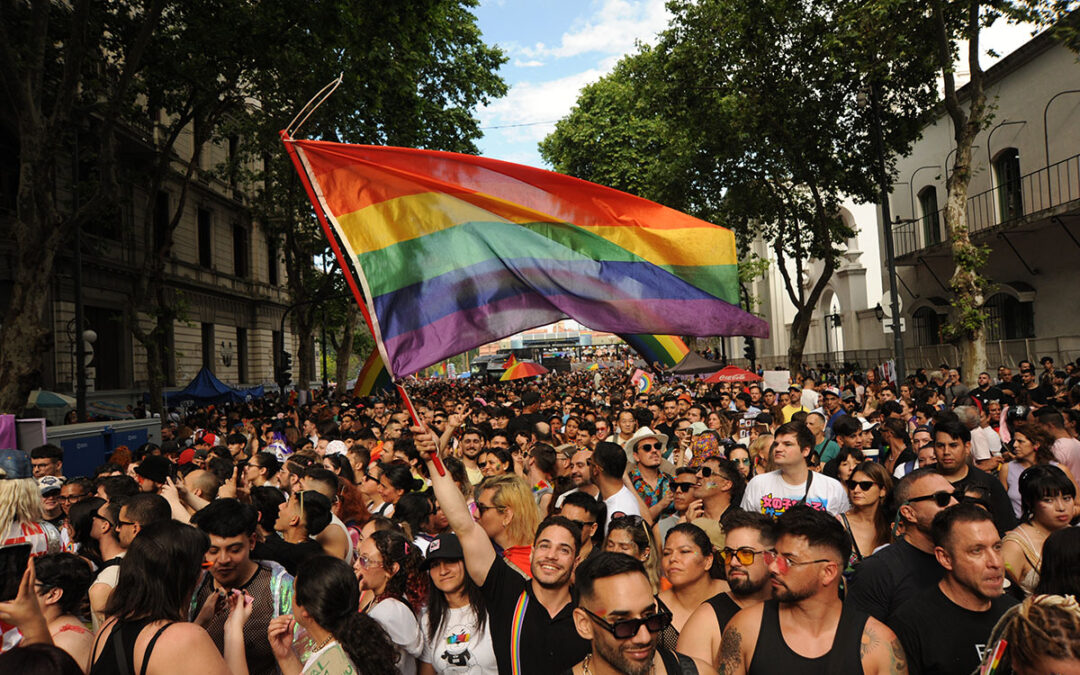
724 608
772 654
117 655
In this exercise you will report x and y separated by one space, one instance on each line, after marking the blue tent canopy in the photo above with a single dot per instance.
206 388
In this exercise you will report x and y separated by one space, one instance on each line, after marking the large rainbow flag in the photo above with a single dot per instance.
373 378
668 350
447 252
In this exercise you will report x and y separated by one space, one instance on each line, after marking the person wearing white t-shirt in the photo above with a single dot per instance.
793 483
460 639
608 466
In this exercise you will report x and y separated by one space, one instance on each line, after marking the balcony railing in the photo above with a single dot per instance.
1029 195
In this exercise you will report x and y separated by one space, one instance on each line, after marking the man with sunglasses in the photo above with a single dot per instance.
749 536
682 486
647 475
718 480
965 605
617 614
886 580
806 627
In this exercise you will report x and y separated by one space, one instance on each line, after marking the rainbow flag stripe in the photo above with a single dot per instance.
373 378
668 350
451 251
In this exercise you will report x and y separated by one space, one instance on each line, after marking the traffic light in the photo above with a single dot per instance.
284 370
749 351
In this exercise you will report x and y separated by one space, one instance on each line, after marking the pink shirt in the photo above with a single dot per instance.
1067 451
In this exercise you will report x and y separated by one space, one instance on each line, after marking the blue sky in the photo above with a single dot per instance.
557 46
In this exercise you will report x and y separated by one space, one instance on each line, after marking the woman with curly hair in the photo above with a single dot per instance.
324 605
388 565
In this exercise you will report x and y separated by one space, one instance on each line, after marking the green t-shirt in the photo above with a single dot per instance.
826 450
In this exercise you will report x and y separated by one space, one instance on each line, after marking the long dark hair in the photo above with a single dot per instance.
400 476
159 573
326 588
439 608
81 518
407 584
411 511
1059 573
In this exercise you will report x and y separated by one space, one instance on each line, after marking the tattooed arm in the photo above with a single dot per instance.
738 642
881 651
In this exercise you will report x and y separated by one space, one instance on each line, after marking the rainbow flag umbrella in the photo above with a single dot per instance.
522 369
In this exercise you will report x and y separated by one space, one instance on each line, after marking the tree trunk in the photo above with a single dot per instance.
345 349
26 337
968 285
39 233
305 350
800 329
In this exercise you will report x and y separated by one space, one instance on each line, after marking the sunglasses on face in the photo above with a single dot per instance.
863 485
648 447
628 628
785 562
745 461
481 509
582 524
744 554
682 487
941 498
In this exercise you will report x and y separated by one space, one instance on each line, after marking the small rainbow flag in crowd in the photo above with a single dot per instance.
643 381
373 378
666 350
510 363
447 252
442 369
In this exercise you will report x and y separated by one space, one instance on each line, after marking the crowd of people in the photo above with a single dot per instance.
566 524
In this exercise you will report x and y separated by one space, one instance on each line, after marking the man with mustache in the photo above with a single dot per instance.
806 628
749 536
617 613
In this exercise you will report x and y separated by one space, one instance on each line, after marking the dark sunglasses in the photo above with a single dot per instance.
863 485
581 523
705 471
941 498
648 446
628 628
682 487
481 509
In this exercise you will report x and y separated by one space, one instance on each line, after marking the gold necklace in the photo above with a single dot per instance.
585 665
328 640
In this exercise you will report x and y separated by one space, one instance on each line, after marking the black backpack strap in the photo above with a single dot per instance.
686 664
150 647
676 663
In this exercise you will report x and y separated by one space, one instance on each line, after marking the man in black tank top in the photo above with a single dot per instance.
617 614
805 628
749 535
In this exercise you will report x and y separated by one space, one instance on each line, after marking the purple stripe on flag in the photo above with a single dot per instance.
471 328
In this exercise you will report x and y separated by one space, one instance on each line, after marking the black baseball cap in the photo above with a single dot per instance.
446 546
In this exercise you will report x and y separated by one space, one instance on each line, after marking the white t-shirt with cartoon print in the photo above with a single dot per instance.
771 495
458 648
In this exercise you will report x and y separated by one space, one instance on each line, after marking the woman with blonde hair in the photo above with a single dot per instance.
22 517
507 511
761 454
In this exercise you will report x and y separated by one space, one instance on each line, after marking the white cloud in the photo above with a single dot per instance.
528 64
531 102
612 29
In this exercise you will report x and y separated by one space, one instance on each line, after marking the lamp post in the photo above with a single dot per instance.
886 219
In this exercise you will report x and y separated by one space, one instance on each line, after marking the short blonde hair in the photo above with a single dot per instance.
512 492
